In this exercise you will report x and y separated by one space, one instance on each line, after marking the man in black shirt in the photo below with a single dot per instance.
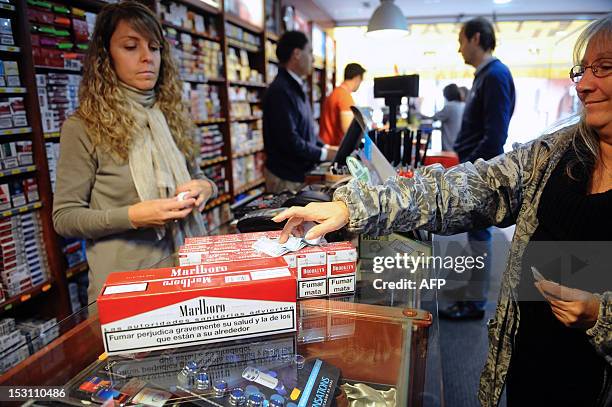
291 146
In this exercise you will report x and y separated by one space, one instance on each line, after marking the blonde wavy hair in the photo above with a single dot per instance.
586 140
104 110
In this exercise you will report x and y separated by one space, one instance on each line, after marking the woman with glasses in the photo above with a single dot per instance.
551 345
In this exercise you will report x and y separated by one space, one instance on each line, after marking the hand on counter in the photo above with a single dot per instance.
574 308
158 212
329 216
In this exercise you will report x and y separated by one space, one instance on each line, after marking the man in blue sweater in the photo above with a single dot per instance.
291 146
484 129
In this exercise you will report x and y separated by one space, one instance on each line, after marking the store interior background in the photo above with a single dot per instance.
535 39
537 47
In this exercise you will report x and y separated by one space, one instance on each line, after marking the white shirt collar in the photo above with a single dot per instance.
486 61
297 78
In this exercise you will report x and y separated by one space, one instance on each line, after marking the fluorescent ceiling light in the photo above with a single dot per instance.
387 21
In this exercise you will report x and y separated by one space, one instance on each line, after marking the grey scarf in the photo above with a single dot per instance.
156 164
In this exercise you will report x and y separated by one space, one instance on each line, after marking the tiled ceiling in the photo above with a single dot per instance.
356 12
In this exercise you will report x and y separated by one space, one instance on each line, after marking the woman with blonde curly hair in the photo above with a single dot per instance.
128 152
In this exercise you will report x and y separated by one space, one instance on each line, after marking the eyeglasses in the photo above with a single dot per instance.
600 68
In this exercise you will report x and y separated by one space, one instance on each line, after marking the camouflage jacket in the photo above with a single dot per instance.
503 191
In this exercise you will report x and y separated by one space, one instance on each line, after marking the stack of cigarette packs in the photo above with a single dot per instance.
323 270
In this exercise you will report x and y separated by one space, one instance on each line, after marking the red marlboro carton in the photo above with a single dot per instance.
183 306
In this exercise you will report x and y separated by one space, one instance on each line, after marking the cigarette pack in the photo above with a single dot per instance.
17 196
30 188
24 152
341 267
10 68
18 111
6 119
9 156
7 325
5 197
183 306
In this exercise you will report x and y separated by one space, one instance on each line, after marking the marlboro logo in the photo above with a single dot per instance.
201 309
196 270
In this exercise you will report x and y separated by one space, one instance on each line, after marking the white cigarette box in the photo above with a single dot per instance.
341 267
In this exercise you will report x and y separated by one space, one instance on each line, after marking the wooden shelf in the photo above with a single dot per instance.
249 186
248 84
9 48
216 202
242 24
209 121
208 163
245 119
77 269
191 32
57 68
232 42
21 209
17 171
25 296
202 6
202 79
15 130
247 152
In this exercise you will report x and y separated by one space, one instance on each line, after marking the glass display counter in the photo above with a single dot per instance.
380 346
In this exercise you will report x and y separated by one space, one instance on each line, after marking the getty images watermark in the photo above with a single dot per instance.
418 265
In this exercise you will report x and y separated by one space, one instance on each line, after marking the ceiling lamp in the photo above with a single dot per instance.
388 21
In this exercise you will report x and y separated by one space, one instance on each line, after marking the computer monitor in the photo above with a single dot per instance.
360 125
396 86
393 89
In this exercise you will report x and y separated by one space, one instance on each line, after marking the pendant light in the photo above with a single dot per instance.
388 21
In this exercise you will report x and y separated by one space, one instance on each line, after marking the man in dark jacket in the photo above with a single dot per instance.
484 130
291 146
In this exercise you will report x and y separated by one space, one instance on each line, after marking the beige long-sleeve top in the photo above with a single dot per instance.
92 197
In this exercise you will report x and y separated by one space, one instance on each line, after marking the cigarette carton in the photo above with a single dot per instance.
310 263
183 306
